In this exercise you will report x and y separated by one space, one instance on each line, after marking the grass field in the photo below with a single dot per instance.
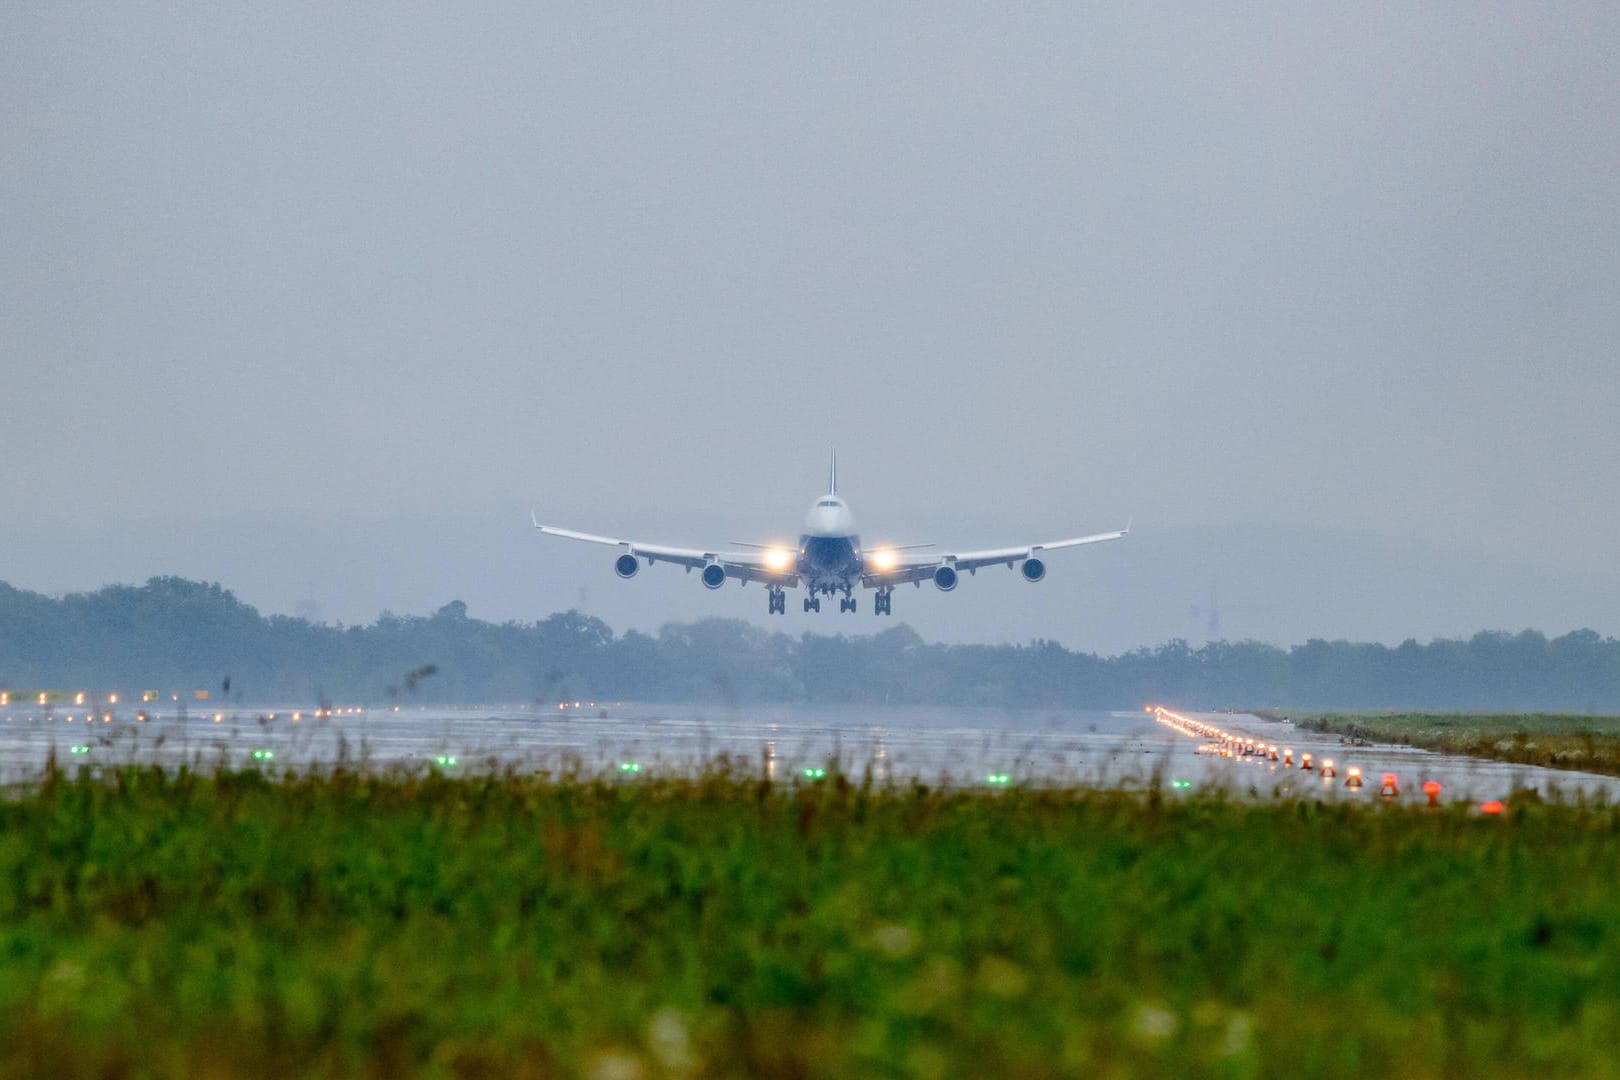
1588 743
352 925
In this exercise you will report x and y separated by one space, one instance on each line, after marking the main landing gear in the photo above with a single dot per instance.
882 601
778 602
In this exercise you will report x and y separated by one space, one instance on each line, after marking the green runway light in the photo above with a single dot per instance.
998 778
1181 784
445 760
263 755
815 774
629 766
80 749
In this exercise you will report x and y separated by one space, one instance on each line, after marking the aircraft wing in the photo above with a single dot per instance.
741 565
921 568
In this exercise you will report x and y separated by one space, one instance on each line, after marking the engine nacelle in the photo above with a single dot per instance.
626 565
945 578
714 576
1033 569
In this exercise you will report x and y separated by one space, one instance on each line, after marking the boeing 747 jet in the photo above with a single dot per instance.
830 561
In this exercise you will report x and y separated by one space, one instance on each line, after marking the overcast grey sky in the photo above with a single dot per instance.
319 300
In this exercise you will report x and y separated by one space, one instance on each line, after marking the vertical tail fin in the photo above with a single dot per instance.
832 475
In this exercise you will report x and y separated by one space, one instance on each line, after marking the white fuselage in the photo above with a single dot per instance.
829 551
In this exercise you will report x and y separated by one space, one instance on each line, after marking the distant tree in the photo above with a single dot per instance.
179 635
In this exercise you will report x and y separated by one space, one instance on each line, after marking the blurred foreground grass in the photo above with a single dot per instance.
1553 740
393 926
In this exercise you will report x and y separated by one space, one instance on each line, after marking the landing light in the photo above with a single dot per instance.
884 559
778 558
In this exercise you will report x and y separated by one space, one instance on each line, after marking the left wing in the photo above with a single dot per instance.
744 566
917 569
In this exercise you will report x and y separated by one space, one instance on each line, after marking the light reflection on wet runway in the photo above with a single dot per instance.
967 746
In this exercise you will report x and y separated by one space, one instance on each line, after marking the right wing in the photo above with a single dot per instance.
743 565
921 568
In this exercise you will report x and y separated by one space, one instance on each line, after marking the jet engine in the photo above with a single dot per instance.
1033 569
714 576
626 565
945 578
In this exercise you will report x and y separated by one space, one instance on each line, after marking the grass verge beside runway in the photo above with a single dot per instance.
1588 743
343 925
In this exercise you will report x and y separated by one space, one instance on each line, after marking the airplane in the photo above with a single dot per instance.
830 559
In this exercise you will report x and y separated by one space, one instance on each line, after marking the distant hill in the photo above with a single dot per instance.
176 635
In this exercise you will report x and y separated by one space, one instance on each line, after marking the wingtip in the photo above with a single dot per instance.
534 517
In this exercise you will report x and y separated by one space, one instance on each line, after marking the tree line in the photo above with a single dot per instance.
176 635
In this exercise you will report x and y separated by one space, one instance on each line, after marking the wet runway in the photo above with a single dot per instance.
966 746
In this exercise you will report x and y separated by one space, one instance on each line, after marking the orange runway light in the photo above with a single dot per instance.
1389 785
1352 777
1431 788
1493 807
1327 767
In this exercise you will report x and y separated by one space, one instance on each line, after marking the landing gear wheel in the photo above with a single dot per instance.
883 603
807 605
778 602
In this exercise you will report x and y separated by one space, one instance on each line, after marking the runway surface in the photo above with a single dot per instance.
965 746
